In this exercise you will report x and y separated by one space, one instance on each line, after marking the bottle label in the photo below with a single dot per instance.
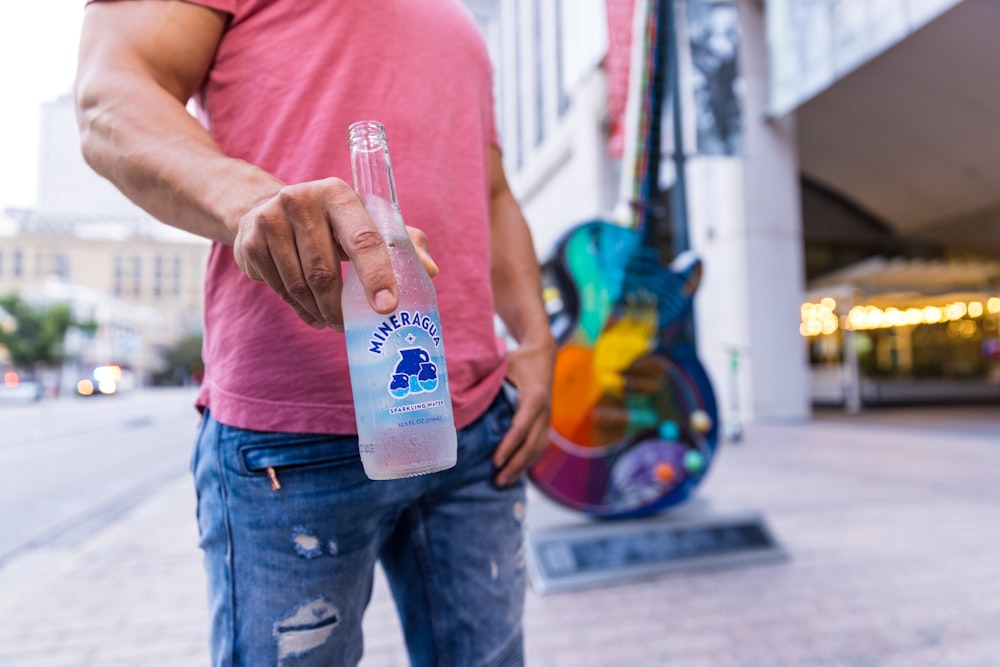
392 325
413 342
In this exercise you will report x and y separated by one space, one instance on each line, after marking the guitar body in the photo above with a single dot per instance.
633 416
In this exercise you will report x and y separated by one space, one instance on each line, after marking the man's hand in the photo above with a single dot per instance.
529 369
296 240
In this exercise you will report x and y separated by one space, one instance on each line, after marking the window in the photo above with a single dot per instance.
119 270
158 276
561 57
137 275
518 92
539 73
178 263
583 40
61 266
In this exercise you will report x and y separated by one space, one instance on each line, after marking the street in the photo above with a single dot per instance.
889 519
72 465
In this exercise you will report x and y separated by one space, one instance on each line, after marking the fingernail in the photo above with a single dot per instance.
384 300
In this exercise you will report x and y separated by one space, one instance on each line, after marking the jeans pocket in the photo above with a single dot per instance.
261 453
498 417
510 394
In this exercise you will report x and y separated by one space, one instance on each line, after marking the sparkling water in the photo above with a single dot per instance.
398 375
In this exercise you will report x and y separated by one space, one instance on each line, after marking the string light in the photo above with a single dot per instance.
821 318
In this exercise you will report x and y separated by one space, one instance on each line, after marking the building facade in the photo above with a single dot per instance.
744 225
139 282
810 136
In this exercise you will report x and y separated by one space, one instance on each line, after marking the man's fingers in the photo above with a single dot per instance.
362 243
295 243
420 243
312 273
368 252
525 451
270 275
507 447
522 444
265 250
269 248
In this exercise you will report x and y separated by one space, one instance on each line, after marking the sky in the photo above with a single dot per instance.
38 43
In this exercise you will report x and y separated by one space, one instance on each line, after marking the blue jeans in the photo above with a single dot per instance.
291 528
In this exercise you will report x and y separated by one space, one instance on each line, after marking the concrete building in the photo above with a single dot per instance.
85 244
812 135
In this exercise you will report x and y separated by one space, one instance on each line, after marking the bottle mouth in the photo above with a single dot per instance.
368 135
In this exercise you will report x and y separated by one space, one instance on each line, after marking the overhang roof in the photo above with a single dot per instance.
913 136
879 275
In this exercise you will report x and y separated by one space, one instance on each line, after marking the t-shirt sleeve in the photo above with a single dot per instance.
228 6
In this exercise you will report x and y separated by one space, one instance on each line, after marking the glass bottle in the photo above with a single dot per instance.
397 364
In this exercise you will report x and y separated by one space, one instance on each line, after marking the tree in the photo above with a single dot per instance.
37 337
184 364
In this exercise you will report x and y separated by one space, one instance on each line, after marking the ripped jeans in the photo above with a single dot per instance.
291 529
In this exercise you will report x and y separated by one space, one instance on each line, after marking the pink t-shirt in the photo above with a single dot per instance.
288 79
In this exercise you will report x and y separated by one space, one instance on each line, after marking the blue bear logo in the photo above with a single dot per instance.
414 373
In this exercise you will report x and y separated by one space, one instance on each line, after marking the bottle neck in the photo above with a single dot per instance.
372 172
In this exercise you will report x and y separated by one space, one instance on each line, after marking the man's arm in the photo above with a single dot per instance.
139 63
517 287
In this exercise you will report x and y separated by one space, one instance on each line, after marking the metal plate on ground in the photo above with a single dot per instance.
586 555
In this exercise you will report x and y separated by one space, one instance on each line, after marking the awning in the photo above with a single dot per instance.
898 277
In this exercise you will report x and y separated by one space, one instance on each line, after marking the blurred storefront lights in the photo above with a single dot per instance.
821 318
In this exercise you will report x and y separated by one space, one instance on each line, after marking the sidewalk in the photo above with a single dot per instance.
891 521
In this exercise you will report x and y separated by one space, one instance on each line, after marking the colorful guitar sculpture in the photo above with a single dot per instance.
634 420
634 417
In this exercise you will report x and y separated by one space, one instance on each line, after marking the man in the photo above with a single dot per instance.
290 525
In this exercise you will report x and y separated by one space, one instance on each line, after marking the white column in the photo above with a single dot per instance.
774 247
745 223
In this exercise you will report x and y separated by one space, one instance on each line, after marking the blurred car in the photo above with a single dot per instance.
106 381
17 387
